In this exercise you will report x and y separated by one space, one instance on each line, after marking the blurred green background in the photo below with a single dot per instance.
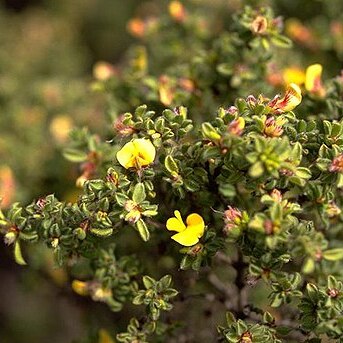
48 50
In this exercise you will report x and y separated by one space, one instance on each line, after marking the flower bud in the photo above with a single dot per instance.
259 25
271 129
10 237
232 218
236 126
134 211
121 128
337 164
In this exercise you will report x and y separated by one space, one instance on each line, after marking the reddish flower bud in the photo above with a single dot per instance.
337 164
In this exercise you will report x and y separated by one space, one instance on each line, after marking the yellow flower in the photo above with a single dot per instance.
293 75
186 235
291 99
136 154
313 82
80 287
103 71
177 11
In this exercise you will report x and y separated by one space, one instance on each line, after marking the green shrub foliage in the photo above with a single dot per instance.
257 178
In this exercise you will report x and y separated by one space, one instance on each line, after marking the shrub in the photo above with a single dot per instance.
251 190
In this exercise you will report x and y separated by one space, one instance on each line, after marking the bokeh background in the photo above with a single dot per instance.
48 51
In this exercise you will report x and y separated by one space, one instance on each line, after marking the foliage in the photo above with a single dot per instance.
258 180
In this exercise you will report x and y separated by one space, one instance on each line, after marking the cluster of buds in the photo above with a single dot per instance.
122 129
337 164
134 211
273 127
232 219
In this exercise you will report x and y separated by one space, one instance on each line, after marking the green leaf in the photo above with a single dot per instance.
148 282
141 110
281 41
339 181
171 165
101 232
333 254
224 69
121 198
143 230
312 291
303 173
210 132
308 266
256 170
230 318
18 255
139 194
75 155
166 281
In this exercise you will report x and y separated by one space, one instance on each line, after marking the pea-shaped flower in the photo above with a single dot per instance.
291 99
313 80
188 234
136 154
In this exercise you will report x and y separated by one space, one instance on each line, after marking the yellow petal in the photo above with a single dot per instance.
196 224
187 237
145 150
176 223
177 214
195 219
313 77
80 287
126 155
291 99
293 75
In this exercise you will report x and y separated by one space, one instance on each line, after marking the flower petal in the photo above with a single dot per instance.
187 237
145 150
313 77
195 225
176 223
195 219
125 155
291 99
